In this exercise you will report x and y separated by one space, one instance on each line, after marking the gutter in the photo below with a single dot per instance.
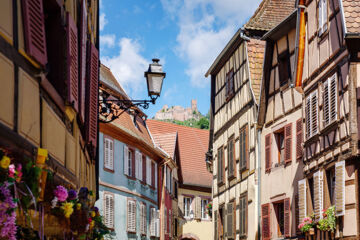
342 17
259 181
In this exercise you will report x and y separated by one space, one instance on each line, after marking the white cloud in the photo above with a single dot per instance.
103 21
128 66
205 28
107 40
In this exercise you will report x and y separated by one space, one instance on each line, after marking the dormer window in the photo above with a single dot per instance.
284 68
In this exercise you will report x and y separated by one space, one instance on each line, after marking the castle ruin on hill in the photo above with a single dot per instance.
178 113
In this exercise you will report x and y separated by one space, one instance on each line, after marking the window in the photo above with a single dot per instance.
175 190
230 221
131 216
244 148
231 160
138 165
284 67
142 218
152 174
243 215
108 153
330 175
279 213
279 136
322 16
204 213
229 84
220 175
129 161
148 171
311 114
221 221
144 169
187 207
109 210
153 222
330 100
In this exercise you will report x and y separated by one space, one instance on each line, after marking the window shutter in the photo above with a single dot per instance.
308 116
230 158
170 226
181 204
288 142
216 237
156 175
92 95
106 152
157 224
34 30
141 218
109 210
82 59
197 208
229 220
318 195
220 167
302 199
126 160
287 217
314 113
265 215
333 97
268 152
299 138
227 87
246 153
137 164
148 171
72 62
340 188
165 221
131 216
326 102
241 209
234 220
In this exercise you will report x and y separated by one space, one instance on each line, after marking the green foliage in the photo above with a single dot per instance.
202 123
328 222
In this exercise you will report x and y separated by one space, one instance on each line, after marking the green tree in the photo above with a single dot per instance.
203 123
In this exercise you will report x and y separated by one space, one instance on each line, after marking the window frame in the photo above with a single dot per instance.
108 168
203 209
189 208
231 142
322 27
309 113
221 167
111 195
280 149
243 202
284 63
244 148
328 82
229 84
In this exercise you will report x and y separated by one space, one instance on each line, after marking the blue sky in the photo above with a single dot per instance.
187 35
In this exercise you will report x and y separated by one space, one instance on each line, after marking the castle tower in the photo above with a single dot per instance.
194 105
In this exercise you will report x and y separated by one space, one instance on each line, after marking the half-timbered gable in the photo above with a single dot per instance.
235 95
330 112
280 119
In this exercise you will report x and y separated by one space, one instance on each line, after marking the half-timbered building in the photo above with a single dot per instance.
330 84
49 70
235 87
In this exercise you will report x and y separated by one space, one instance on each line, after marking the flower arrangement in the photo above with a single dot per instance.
306 224
209 209
328 222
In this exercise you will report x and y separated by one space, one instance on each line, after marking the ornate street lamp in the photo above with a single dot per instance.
111 108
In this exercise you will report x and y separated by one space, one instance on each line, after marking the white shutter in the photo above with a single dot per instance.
131 216
152 222
140 167
326 102
141 218
106 152
126 160
340 188
157 224
307 116
109 210
156 175
302 199
318 194
314 113
170 226
148 171
137 164
144 219
333 97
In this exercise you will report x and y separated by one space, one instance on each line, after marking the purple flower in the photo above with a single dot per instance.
96 209
61 193
72 194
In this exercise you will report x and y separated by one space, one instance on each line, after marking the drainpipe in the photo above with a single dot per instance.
259 180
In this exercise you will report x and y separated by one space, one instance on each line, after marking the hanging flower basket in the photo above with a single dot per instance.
209 209
328 222
307 225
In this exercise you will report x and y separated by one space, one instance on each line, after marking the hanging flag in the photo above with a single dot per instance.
301 46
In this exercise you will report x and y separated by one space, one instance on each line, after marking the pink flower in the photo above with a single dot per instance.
12 170
61 193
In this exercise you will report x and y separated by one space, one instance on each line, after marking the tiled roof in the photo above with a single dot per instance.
256 49
193 144
108 78
269 14
352 15
166 141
